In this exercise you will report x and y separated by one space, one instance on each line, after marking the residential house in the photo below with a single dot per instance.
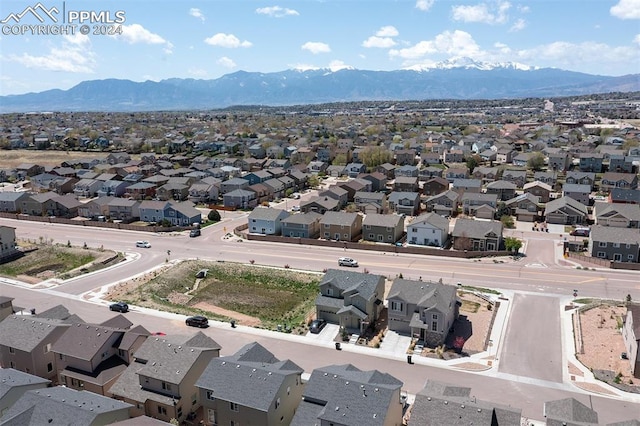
445 204
354 169
277 187
517 177
387 169
183 214
233 184
320 205
480 205
524 207
336 170
438 403
87 188
578 192
582 178
406 157
425 310
430 158
8 246
617 244
250 387
353 186
303 225
539 189
370 202
429 229
559 161
161 380
451 174
25 170
316 167
522 159
505 155
341 226
25 344
406 184
201 192
153 211
485 174
611 180
172 191
118 188
337 193
124 209
624 196
591 162
377 179
346 395
462 186
407 203
631 337
92 356
350 299
140 191
257 176
407 171
42 204
434 186
264 193
503 189
565 211
621 164
569 411
16 383
382 228
617 215
12 201
240 199
266 220
6 307
550 178
477 235
95 208
60 405
453 156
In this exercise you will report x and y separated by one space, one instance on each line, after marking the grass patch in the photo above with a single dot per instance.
58 259
273 296
480 289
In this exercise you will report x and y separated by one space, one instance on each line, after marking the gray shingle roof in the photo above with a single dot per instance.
386 220
348 396
476 228
267 213
338 218
83 341
427 294
25 332
569 202
251 377
434 219
365 284
10 378
570 409
615 235
61 406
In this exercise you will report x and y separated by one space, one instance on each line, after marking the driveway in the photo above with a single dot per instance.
532 344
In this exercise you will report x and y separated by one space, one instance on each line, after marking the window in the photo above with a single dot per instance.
288 390
329 292
162 410
602 244
12 350
396 306
628 246
47 348
616 245
166 386
77 383
233 406
12 364
211 414
194 399
277 403
210 396
434 326
602 254
630 257
434 316
179 412
371 236
49 367
414 229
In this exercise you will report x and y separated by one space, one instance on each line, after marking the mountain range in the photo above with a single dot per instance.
461 79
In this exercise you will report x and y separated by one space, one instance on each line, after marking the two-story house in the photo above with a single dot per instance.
503 189
429 229
566 211
406 184
250 387
407 203
160 381
482 205
303 225
266 220
611 180
524 207
382 228
539 189
351 299
578 192
477 235
445 204
617 215
340 226
16 383
370 202
422 308
434 186
617 244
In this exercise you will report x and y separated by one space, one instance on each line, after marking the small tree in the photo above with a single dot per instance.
536 161
512 244
214 216
507 222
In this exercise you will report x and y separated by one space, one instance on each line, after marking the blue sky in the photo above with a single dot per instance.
207 39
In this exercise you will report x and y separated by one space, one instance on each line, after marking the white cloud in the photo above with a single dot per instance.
316 47
502 48
636 39
277 11
226 40
382 42
168 48
226 62
626 9
424 5
73 55
457 43
337 65
524 9
196 13
304 67
482 12
387 31
519 25
136 33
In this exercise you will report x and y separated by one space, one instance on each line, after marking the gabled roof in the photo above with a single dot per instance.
25 333
83 341
449 193
343 394
385 220
61 406
570 410
365 284
477 229
302 218
629 211
537 183
433 219
339 218
11 378
267 213
252 377
567 202
526 196
614 235
425 294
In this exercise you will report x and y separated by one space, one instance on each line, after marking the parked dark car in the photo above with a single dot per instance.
119 307
195 232
317 325
197 321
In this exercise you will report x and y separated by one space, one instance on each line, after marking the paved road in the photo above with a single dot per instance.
533 340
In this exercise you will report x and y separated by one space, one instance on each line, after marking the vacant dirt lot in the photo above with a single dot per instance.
602 343
13 158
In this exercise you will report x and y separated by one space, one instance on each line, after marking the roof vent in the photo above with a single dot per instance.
238 366
462 406
446 402
337 408
224 362
479 410
346 383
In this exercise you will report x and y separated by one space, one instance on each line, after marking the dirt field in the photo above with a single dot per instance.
14 158
602 343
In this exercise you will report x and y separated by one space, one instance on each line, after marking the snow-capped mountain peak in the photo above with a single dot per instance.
469 63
